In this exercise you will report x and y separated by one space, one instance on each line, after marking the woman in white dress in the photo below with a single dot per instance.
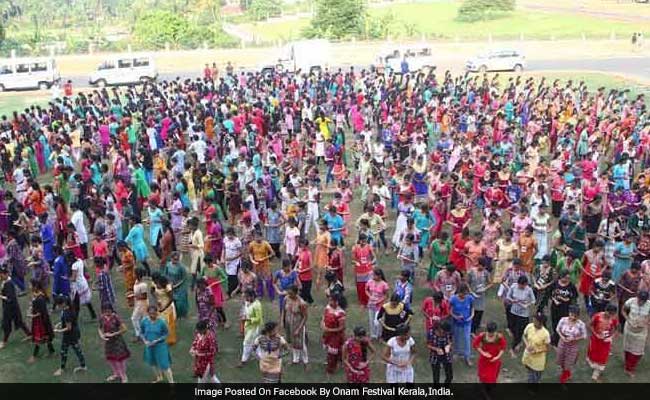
405 209
399 355
80 290
541 227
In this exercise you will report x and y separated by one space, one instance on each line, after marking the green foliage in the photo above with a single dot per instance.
154 29
381 27
337 19
260 10
480 10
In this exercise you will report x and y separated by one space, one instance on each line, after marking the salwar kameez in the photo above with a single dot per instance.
295 322
635 333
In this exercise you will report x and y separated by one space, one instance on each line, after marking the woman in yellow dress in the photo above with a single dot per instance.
163 292
321 253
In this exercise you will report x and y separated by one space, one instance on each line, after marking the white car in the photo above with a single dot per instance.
499 60
122 70
417 58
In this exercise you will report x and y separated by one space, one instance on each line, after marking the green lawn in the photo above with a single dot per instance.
16 101
438 20
273 31
13 367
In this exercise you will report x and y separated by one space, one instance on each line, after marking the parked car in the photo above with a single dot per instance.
270 70
122 70
28 73
497 60
417 57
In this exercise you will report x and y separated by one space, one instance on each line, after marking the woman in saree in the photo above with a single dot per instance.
165 305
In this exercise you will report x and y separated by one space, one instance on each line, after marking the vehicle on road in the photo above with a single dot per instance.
417 57
28 73
123 70
497 60
306 56
270 70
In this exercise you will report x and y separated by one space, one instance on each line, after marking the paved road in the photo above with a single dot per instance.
636 66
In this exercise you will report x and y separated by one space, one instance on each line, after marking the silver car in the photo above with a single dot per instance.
500 60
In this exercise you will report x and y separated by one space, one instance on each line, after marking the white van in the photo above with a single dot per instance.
28 73
121 70
306 56
417 57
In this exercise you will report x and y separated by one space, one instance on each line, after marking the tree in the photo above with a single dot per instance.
337 19
263 9
154 29
477 10
210 9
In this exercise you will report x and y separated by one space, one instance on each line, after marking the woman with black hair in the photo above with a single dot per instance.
439 343
270 347
333 327
490 345
357 355
111 331
391 315
536 340
203 350
294 320
136 239
399 355
563 294
521 298
71 335
163 290
42 331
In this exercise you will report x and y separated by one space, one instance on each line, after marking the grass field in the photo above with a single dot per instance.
438 20
13 367
18 101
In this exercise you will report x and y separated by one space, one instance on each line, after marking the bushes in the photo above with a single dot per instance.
337 19
263 9
155 29
381 27
479 10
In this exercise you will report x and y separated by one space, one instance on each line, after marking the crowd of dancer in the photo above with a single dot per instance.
248 188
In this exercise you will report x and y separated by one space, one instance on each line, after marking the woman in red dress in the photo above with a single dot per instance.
364 258
435 309
456 256
357 354
593 262
72 242
204 348
603 331
337 262
459 218
333 326
491 345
